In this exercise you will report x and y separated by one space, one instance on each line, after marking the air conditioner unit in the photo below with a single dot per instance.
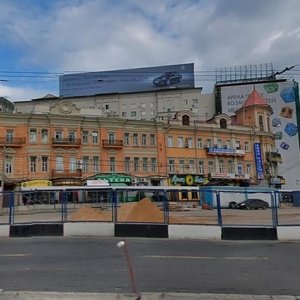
79 164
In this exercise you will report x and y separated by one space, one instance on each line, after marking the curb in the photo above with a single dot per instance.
27 295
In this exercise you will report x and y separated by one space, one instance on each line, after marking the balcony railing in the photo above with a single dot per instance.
112 143
66 142
12 142
66 173
225 151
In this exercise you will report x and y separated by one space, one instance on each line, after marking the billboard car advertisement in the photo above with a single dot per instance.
282 97
127 81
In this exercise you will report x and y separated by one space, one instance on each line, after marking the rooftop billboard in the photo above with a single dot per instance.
282 97
127 81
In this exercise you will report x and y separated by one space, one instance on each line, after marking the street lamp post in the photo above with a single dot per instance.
123 244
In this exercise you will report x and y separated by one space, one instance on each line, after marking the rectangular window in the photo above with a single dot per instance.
144 139
190 142
45 162
220 144
191 166
33 161
247 147
135 139
145 164
96 163
221 166
127 164
181 166
8 165
58 134
9 136
72 164
153 164
106 106
59 164
248 169
230 167
199 143
45 136
112 164
32 136
201 167
143 105
152 139
228 144
95 137
85 163
170 141
143 113
126 138
180 142
211 167
72 136
151 104
111 138
208 143
133 113
136 164
171 165
195 101
124 114
85 137
238 144
240 169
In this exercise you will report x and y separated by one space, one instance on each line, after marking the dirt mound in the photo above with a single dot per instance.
87 213
143 211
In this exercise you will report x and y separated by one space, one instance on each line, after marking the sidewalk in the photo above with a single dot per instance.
24 295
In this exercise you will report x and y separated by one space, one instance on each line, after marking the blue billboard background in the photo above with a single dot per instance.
127 81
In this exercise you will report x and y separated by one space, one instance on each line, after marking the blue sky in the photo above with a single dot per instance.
42 39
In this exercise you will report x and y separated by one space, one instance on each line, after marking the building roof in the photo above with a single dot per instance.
254 99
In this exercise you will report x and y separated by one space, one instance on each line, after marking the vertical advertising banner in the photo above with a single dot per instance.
282 97
258 161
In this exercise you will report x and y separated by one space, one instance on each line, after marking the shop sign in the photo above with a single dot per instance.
36 183
186 180
114 178
177 179
97 182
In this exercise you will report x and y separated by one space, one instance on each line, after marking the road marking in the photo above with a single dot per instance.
206 257
15 255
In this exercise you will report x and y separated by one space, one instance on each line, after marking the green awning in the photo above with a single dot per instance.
118 184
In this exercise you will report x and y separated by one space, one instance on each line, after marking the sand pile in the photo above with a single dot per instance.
143 211
85 213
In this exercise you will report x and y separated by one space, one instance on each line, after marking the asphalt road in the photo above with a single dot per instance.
160 265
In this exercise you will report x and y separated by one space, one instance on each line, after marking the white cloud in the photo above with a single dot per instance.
103 35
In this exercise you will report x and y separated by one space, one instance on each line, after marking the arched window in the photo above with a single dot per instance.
223 123
186 120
